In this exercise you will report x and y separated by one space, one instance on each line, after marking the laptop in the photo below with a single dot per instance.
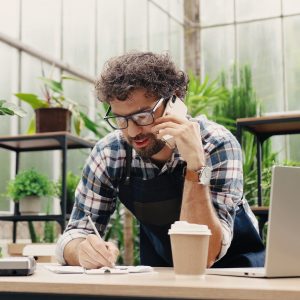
283 242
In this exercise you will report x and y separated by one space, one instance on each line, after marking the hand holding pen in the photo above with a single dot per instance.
94 252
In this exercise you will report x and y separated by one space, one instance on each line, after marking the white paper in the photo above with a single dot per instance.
104 270
65 269
120 270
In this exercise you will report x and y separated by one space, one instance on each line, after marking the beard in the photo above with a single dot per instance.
154 146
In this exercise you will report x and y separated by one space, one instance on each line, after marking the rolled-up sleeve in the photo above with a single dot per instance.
95 196
225 157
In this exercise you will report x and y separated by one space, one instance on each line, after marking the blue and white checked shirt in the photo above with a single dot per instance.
97 191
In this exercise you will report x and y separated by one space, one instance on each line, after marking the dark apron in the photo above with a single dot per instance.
156 204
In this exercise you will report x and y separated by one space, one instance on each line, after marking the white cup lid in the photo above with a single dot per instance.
183 227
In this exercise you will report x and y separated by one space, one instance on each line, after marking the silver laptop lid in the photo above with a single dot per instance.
283 241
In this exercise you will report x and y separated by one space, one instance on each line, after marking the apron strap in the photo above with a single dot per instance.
128 150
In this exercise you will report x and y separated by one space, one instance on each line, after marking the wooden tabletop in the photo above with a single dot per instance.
273 124
160 284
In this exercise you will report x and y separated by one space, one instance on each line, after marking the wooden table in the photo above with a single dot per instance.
157 285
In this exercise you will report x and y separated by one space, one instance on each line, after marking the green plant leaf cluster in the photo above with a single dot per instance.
10 109
202 97
30 183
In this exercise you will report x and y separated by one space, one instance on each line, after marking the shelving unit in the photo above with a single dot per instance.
263 128
62 141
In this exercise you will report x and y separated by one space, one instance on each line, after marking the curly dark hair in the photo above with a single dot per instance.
156 73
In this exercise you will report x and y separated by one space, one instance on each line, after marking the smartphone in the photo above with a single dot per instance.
175 106
17 266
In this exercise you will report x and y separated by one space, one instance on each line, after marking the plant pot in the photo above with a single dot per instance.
53 119
30 205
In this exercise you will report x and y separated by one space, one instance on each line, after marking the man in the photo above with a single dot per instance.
158 184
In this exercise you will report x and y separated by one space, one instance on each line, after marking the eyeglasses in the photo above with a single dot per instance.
141 118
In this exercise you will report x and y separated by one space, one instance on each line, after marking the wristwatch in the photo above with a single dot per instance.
202 176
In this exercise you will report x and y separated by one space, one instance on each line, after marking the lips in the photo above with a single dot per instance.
141 143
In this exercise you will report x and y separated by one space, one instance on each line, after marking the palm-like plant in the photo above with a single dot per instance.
242 102
202 97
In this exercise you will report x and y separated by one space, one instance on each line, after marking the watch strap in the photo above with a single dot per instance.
191 175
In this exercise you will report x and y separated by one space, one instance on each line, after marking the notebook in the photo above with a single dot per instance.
283 242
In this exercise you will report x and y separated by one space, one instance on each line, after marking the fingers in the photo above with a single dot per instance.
171 118
94 253
184 129
113 249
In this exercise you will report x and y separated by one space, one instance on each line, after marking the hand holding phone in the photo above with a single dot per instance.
175 106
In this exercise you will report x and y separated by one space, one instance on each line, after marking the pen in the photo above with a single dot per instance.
98 235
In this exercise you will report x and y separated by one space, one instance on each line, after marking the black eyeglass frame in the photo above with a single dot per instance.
130 117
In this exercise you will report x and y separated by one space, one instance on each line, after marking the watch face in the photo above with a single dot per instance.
205 176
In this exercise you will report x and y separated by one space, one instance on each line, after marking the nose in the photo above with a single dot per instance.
133 129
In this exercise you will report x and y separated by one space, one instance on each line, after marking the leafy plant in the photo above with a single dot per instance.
10 109
30 183
242 102
54 96
202 97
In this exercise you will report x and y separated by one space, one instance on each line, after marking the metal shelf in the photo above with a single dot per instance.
63 141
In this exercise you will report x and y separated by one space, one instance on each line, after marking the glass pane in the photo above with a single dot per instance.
291 6
214 12
176 44
256 9
292 61
176 9
136 25
41 25
294 147
177 32
259 45
159 29
79 34
9 17
217 50
162 3
110 30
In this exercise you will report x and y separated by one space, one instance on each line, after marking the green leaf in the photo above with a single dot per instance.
31 128
77 121
32 100
91 125
6 111
69 77
54 85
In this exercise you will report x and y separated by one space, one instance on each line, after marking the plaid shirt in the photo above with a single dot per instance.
97 191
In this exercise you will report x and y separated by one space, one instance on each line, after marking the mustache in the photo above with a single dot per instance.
142 136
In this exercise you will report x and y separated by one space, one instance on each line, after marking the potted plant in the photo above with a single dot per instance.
27 189
54 110
10 109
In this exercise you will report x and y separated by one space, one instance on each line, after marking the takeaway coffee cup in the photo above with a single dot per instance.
189 244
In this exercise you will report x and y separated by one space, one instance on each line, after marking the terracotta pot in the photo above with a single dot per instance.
52 119
30 205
